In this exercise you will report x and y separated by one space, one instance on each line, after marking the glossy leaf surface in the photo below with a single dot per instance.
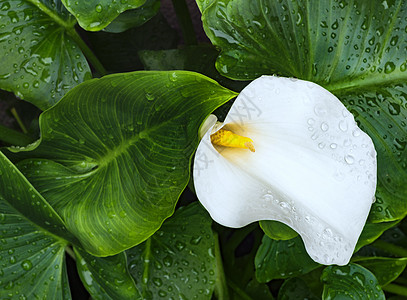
355 49
385 269
40 60
277 230
19 194
350 282
282 259
178 260
32 259
371 232
115 152
106 277
295 288
134 17
95 15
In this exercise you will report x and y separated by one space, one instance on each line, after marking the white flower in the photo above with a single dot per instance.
312 167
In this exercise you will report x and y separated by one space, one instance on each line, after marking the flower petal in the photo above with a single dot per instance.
313 168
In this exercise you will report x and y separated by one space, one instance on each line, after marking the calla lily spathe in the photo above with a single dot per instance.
311 168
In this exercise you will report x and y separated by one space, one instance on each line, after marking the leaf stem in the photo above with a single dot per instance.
70 252
221 289
393 249
184 19
395 289
95 62
14 137
54 16
18 119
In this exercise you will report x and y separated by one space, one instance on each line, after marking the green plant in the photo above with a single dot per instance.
106 179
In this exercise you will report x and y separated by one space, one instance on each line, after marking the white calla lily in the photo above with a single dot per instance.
313 168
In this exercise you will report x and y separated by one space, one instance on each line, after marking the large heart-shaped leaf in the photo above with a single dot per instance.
40 59
106 277
115 152
178 261
32 263
95 15
356 49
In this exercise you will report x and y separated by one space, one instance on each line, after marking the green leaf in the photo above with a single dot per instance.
295 288
258 291
277 230
238 250
17 192
199 59
118 51
40 59
350 282
282 259
32 259
135 17
177 262
355 49
385 269
382 113
373 231
94 15
106 277
203 4
115 153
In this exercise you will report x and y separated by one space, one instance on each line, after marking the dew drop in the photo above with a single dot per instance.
179 245
343 125
389 67
27 265
196 240
349 159
157 281
150 96
173 77
99 8
167 261
356 132
324 126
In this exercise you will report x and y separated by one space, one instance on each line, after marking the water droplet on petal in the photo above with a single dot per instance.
324 126
343 125
349 159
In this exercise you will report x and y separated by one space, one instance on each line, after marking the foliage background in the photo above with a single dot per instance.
266 261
